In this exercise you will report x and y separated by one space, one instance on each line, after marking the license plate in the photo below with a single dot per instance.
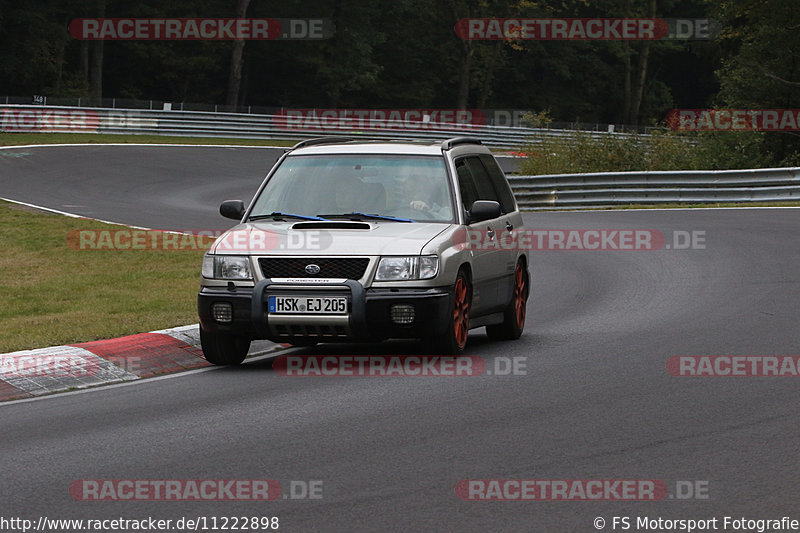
307 305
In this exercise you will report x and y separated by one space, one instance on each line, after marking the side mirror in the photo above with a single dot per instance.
484 210
232 209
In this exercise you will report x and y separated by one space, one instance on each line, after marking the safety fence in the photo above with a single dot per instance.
606 189
533 192
289 124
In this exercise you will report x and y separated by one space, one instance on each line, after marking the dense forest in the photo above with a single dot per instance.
407 54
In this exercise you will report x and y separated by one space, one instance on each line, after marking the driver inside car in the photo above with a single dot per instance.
429 197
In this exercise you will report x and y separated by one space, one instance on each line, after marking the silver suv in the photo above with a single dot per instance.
368 240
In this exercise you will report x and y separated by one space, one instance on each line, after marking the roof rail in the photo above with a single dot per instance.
449 143
322 140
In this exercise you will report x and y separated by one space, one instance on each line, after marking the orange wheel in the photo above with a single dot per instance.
461 312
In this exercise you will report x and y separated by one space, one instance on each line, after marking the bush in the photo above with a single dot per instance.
580 152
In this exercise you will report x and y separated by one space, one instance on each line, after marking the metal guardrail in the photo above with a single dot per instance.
606 189
496 117
35 118
565 191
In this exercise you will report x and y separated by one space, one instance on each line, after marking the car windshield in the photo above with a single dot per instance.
393 186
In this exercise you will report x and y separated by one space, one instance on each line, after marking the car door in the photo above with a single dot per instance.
510 224
482 243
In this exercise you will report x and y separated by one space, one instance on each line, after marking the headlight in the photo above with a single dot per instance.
226 267
407 268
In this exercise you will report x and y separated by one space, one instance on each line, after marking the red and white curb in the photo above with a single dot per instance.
31 373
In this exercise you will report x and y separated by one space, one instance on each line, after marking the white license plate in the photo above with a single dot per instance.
307 305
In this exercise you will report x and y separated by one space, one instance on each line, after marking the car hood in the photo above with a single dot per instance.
336 237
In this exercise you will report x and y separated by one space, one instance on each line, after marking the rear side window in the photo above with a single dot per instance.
474 182
500 183
482 181
466 184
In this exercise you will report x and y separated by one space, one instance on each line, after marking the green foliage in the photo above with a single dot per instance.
760 68
403 53
406 54
581 151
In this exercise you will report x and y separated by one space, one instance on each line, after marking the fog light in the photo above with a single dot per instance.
402 313
222 312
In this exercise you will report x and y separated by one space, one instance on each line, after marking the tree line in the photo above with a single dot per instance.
406 54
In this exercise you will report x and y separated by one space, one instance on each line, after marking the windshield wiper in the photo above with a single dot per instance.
278 215
355 214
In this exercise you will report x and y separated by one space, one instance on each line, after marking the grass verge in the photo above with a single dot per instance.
54 294
16 139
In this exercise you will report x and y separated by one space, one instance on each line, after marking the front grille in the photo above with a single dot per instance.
329 267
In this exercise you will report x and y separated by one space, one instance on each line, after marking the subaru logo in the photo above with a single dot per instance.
312 269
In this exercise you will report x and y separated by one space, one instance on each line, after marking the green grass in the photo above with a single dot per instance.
15 139
55 294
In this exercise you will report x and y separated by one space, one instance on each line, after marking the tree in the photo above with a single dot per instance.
762 65
235 77
96 67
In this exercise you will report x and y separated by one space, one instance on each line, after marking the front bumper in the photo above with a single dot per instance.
369 312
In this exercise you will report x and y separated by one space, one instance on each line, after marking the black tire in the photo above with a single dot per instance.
224 348
514 314
453 341
303 343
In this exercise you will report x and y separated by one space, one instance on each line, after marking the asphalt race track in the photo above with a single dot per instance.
595 400
159 187
175 187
